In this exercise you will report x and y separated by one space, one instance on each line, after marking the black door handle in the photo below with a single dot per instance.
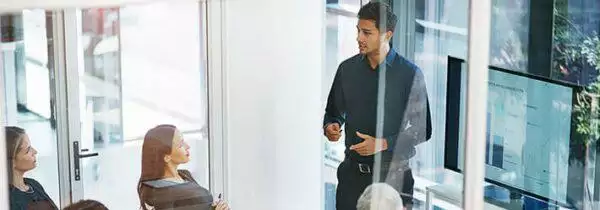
88 155
77 156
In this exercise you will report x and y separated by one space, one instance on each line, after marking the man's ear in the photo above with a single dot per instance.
167 158
389 35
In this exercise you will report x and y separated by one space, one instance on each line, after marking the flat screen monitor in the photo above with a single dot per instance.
528 132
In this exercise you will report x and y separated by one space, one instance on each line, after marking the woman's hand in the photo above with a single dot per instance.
221 205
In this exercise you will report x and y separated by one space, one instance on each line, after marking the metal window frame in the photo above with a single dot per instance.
60 78
217 96
4 199
73 63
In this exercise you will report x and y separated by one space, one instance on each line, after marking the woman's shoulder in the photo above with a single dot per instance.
32 182
165 192
184 172
187 175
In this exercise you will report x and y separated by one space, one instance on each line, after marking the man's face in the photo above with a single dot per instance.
369 38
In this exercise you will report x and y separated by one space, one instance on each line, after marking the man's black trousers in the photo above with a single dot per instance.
354 178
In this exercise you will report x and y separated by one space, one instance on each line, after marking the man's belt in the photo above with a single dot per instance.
367 168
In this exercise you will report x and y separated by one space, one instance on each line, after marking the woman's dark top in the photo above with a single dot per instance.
35 198
165 194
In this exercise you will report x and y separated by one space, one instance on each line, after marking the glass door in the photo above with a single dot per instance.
131 68
27 50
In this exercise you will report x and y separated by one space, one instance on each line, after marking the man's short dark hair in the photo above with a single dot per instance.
379 12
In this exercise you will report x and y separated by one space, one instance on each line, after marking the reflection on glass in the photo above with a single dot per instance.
575 36
551 159
518 128
510 34
440 32
575 55
142 69
28 89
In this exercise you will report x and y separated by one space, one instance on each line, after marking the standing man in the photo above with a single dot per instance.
381 99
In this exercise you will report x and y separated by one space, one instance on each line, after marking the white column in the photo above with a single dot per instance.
268 116
477 78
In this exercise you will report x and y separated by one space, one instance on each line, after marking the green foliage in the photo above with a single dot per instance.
573 48
586 111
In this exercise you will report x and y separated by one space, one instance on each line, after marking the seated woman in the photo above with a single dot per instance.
161 185
25 193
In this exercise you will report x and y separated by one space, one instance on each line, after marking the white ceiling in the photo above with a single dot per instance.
18 5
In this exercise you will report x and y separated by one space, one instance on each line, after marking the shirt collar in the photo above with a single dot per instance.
389 58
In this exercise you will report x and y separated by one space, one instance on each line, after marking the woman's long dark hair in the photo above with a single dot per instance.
158 142
14 140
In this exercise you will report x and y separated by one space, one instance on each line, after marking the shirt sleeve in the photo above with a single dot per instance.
334 111
416 124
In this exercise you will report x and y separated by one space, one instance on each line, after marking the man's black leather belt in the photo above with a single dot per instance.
367 168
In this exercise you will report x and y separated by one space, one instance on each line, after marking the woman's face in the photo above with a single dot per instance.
25 157
180 151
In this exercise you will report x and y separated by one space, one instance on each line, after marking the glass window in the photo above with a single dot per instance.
141 70
575 60
25 51
340 44
440 32
348 5
419 166
518 124
510 34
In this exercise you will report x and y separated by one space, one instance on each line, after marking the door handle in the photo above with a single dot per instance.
77 158
88 155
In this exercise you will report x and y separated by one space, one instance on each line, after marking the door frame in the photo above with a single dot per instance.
215 48
4 197
68 96
59 78
68 104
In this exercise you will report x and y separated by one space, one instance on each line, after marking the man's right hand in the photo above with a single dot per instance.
333 132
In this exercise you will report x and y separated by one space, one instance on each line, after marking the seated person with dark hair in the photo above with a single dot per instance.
161 185
25 193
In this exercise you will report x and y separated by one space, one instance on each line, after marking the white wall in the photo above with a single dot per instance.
273 60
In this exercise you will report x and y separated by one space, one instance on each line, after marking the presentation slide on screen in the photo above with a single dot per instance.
527 135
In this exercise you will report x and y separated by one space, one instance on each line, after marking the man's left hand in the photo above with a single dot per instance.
369 144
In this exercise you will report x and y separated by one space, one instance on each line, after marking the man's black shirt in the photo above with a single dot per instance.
404 115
